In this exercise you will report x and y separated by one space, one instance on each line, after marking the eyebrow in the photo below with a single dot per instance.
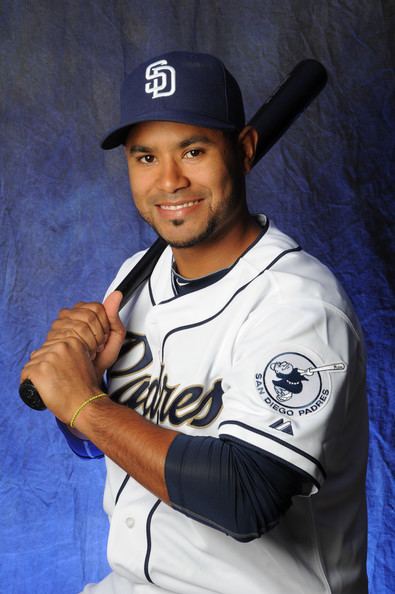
139 148
197 138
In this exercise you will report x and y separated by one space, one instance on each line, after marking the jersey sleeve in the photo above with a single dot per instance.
295 373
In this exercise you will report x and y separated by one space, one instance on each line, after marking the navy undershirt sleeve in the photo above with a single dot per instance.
82 447
230 486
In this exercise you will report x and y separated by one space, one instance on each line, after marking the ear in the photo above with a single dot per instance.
248 140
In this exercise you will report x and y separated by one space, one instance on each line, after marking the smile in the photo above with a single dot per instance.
178 206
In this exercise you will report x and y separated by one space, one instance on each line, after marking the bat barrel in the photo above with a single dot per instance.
288 102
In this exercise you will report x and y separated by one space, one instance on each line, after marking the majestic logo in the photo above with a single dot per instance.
292 384
162 79
284 426
154 397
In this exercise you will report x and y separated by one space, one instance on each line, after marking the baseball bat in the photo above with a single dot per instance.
271 121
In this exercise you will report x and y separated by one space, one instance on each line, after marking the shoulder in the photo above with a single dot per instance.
125 268
159 275
295 276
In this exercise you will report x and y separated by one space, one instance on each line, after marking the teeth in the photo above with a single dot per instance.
178 206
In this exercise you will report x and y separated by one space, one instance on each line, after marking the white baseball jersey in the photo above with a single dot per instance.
271 355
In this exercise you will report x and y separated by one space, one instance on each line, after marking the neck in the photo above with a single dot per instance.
219 252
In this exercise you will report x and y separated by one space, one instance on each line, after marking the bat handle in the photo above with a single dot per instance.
30 395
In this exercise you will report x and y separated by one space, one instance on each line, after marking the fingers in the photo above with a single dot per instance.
117 333
86 321
64 329
50 357
92 314
111 306
57 348
49 345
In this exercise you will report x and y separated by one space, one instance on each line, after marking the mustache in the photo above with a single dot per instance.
184 194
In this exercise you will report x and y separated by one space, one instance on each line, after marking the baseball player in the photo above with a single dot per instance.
235 434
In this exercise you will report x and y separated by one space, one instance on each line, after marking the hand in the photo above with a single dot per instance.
97 325
81 344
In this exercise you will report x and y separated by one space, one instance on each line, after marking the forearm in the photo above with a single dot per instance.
135 444
67 371
229 486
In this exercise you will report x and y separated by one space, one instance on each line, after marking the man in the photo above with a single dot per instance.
235 436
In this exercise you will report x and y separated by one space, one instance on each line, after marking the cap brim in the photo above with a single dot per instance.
115 137
118 136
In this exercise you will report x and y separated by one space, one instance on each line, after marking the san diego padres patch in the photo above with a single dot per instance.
293 385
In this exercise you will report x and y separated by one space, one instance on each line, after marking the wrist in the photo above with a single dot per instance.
93 414
85 403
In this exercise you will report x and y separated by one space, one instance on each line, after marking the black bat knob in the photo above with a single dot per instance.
30 395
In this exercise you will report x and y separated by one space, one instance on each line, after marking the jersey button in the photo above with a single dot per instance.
129 522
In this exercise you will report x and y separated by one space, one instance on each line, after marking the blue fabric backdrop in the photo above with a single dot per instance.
67 221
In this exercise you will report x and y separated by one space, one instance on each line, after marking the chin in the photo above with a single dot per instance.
188 240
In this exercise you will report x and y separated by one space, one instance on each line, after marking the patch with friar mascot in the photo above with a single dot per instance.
293 385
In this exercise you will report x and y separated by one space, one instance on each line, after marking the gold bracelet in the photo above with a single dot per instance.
85 403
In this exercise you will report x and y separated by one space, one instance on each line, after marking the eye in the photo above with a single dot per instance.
193 153
146 159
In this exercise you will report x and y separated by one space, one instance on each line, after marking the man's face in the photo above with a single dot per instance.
187 181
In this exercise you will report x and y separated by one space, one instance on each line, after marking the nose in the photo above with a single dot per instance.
171 176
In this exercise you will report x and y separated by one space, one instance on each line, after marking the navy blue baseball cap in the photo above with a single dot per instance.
186 87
